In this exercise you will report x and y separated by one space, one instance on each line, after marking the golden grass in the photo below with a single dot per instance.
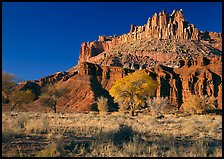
96 135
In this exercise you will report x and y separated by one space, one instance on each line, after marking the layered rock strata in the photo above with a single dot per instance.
174 52
164 35
93 80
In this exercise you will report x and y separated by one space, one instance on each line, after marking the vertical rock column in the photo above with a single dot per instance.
173 92
158 90
220 96
163 21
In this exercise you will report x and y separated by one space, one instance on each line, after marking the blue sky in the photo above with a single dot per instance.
40 38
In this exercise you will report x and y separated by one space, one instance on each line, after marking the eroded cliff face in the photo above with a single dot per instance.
92 81
177 84
163 39
181 58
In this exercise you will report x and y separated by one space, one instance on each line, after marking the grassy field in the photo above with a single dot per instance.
112 134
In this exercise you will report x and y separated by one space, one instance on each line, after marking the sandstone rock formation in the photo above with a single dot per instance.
163 37
93 80
181 58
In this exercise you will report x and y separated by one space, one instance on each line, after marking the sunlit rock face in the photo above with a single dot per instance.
174 52
164 39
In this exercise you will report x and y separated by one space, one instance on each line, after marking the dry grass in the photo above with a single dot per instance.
37 125
115 134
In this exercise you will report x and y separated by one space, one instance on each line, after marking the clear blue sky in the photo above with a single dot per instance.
39 38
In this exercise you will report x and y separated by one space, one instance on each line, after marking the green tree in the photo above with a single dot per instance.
134 88
51 94
13 95
8 83
18 97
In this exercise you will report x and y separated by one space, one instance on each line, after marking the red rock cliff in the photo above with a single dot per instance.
181 58
160 26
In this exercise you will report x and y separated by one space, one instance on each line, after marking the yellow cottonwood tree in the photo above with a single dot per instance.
134 88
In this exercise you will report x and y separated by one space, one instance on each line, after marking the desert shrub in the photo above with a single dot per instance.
102 104
158 105
198 105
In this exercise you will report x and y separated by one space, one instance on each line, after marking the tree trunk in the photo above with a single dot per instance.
13 107
131 113
54 107
132 107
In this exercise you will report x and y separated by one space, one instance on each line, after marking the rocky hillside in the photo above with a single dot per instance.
181 58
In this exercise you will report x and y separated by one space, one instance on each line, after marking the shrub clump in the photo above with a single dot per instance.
102 104
158 105
198 105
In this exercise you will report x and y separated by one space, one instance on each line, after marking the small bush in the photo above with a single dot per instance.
102 104
123 106
157 105
198 105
